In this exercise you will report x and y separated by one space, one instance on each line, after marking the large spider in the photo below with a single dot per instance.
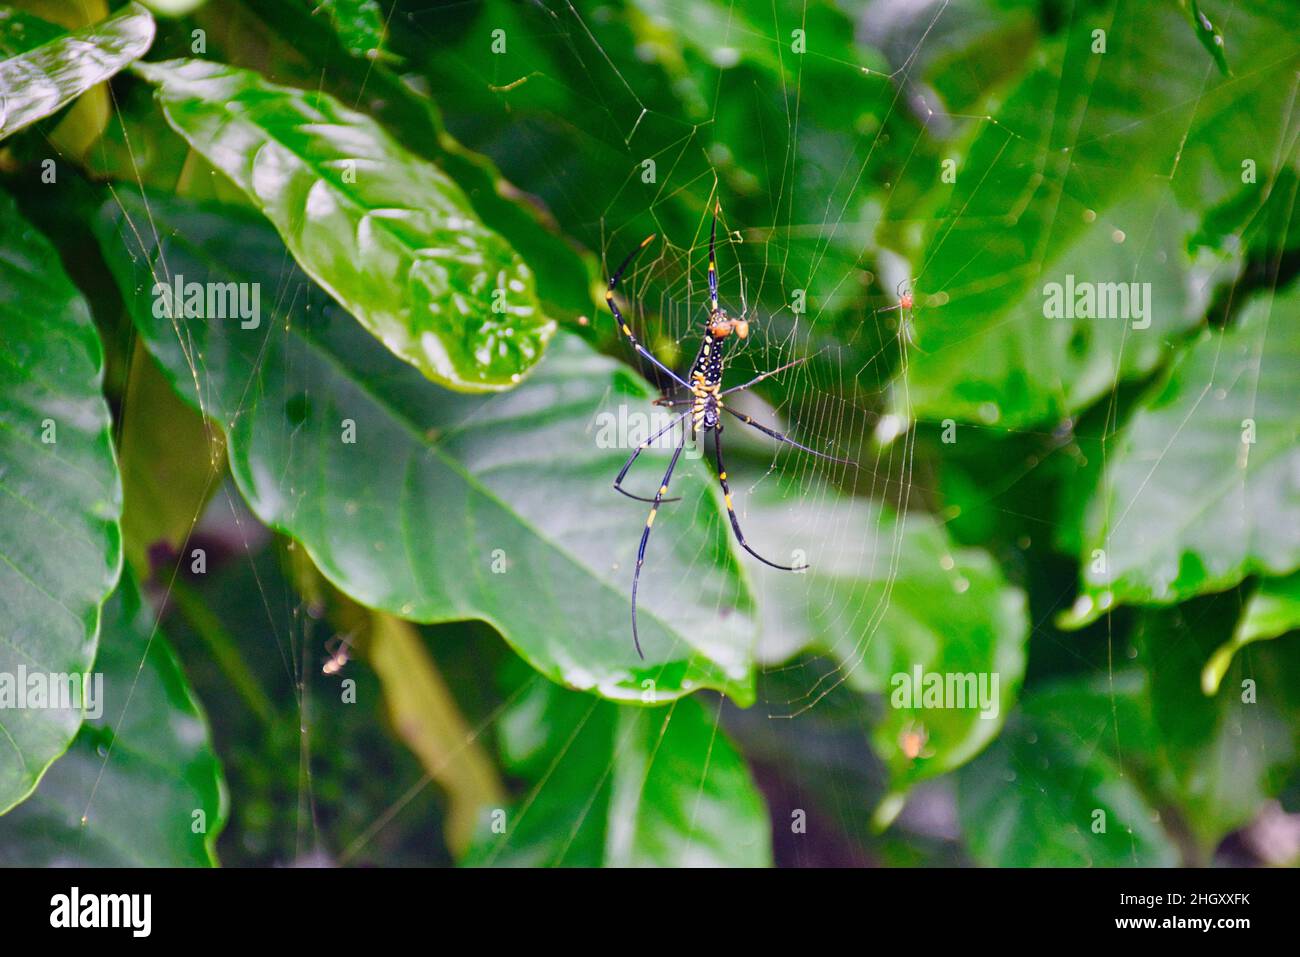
706 406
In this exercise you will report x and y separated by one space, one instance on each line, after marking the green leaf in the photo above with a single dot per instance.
1199 492
173 8
1272 611
721 33
960 54
60 545
1229 753
1084 192
566 276
886 596
1260 219
1133 741
1211 36
439 488
43 79
1242 138
359 24
623 786
388 235
20 32
141 785
1048 793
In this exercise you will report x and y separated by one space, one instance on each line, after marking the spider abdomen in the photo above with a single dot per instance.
706 383
708 365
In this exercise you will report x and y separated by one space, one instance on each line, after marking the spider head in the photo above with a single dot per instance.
721 325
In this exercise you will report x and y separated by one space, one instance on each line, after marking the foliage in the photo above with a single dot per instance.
312 402
61 543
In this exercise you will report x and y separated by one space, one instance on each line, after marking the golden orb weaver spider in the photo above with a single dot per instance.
704 383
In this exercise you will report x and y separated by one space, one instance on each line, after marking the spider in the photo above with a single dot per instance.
340 653
914 741
906 299
704 383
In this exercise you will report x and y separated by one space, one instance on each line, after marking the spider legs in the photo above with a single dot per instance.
668 403
624 328
713 261
771 372
645 537
731 511
618 482
786 439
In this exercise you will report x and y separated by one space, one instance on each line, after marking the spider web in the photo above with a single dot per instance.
833 402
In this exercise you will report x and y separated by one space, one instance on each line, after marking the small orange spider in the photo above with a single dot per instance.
905 297
914 741
339 649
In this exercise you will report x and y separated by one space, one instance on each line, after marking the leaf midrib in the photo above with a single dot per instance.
418 438
472 480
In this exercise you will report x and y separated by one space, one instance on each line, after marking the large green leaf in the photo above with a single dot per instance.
1048 792
141 785
44 78
1260 218
1242 137
1229 753
389 235
1085 192
887 595
60 545
1272 611
1200 490
1261 221
439 488
1144 746
566 276
622 786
